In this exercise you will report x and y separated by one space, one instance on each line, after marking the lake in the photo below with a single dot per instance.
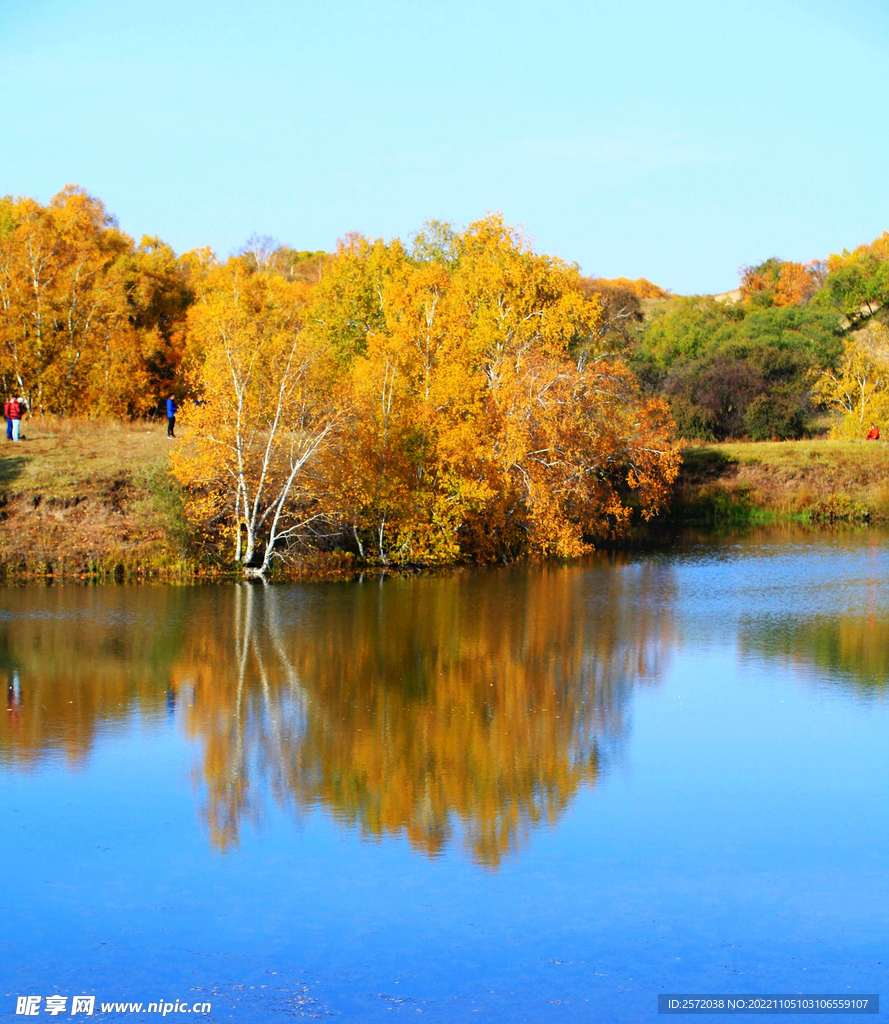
513 794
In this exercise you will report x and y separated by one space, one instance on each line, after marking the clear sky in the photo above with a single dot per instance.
671 140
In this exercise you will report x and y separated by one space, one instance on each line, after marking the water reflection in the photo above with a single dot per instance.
834 625
463 712
467 707
76 659
851 650
423 707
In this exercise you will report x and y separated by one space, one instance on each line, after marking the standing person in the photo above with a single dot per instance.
172 409
6 405
15 416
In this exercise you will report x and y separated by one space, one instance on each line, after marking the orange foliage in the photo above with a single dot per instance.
473 431
464 402
781 282
90 323
420 408
640 287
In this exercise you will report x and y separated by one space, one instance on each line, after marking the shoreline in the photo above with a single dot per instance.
99 505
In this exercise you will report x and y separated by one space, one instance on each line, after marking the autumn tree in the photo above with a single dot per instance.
158 294
386 476
262 414
776 282
621 312
641 287
348 303
488 421
859 387
480 411
89 321
857 282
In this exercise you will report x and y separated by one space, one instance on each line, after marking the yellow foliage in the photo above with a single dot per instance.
472 431
641 287
859 387
878 248
88 320
453 406
262 412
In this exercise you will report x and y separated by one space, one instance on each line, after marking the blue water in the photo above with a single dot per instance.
533 794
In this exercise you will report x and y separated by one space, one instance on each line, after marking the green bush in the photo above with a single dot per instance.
776 415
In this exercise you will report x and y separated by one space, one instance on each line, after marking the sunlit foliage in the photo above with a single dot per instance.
489 421
263 409
477 412
776 282
857 282
641 287
90 323
859 386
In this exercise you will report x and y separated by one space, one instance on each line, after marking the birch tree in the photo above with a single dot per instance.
263 415
859 387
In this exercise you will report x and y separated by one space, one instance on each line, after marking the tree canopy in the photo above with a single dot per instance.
467 404
91 323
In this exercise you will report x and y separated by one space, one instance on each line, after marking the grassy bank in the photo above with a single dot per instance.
80 499
819 481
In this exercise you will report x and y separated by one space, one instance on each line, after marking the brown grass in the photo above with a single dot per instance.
77 497
89 498
789 477
64 457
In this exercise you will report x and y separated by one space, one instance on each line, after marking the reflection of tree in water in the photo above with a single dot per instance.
852 648
478 703
74 658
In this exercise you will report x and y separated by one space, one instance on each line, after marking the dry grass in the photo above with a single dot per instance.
80 497
67 457
85 497
808 478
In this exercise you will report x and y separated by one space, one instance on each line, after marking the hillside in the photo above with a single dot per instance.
88 498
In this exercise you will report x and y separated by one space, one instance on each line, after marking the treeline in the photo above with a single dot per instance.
90 323
455 398
762 363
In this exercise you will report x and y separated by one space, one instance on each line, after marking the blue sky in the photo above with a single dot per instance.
674 141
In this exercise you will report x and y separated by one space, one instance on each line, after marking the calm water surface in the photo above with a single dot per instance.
513 795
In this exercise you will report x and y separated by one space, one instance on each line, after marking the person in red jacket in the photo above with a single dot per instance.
15 416
8 420
873 434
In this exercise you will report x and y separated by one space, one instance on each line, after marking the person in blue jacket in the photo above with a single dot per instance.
172 409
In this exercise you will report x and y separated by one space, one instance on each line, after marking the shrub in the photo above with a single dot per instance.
776 415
